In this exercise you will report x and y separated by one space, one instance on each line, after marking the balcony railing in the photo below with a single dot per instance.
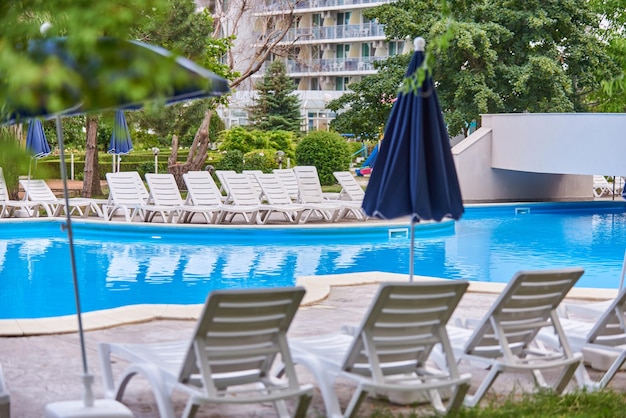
331 65
320 34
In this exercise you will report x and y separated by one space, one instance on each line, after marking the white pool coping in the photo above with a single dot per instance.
317 289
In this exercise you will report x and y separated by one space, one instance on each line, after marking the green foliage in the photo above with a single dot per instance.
499 57
260 160
231 160
244 140
14 159
275 107
327 151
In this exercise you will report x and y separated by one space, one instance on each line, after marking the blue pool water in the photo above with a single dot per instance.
143 263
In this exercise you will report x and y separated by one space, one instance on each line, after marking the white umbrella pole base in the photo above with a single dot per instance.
102 408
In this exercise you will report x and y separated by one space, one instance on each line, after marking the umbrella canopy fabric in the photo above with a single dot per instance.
36 141
415 173
104 77
120 138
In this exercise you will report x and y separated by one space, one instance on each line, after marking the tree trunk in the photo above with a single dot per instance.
91 179
197 153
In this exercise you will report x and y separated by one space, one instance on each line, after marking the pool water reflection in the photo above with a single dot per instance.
125 265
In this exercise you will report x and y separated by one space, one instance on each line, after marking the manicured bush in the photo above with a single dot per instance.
231 160
327 151
260 160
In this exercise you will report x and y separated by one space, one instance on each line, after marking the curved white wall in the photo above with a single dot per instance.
522 157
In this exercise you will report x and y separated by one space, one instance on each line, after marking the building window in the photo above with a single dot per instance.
396 47
341 83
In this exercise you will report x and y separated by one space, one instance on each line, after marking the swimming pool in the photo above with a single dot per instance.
155 263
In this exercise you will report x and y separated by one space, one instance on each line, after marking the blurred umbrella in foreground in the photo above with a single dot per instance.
113 74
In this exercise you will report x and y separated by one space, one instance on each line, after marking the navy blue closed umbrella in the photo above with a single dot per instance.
120 143
36 141
415 174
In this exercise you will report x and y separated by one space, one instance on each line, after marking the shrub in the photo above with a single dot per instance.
260 160
327 151
231 160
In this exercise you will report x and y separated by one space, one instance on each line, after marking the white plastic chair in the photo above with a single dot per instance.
603 342
164 193
505 340
126 195
389 352
10 207
203 192
37 190
228 358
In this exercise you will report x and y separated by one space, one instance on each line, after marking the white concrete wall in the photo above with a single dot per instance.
539 157
565 143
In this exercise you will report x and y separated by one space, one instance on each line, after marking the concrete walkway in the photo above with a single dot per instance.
44 369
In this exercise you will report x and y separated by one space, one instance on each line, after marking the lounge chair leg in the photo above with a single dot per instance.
472 401
303 406
356 401
566 376
617 364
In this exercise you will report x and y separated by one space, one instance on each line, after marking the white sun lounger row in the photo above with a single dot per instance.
404 348
253 197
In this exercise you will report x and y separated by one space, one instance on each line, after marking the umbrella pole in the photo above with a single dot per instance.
412 251
88 397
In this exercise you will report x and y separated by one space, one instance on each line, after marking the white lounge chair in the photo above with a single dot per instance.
5 402
275 193
310 192
253 182
164 193
237 339
505 340
289 180
203 192
243 194
9 207
37 190
223 189
389 352
127 196
350 188
602 343
601 186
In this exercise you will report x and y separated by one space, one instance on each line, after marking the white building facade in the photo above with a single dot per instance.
327 45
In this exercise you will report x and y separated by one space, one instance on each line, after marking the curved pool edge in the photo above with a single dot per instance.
317 289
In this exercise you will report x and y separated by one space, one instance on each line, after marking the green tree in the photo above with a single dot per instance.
515 56
327 151
276 106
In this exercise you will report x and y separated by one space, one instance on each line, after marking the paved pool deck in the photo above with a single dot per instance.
46 368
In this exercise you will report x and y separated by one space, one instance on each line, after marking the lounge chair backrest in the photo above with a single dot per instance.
402 326
124 189
289 180
273 189
240 191
38 190
253 182
527 304
201 189
4 191
164 190
350 187
220 176
309 186
238 336
610 328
